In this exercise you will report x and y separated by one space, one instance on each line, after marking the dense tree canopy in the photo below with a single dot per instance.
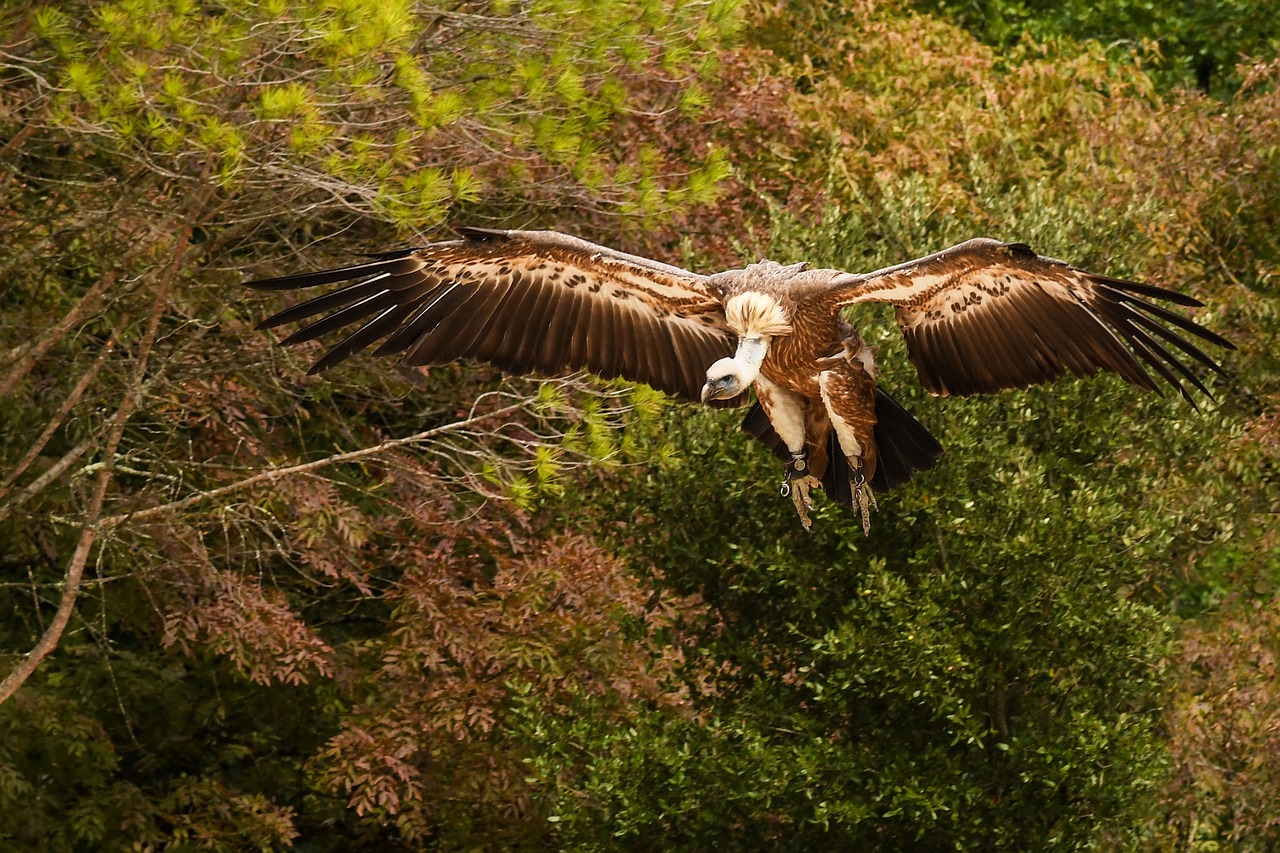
403 609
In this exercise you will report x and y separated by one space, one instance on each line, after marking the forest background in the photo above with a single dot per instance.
382 609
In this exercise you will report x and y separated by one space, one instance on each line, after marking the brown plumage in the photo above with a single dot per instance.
977 317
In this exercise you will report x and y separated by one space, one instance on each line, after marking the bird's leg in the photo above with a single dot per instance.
796 483
863 498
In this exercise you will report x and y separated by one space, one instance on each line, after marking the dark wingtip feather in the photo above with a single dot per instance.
1151 291
393 255
1175 319
300 280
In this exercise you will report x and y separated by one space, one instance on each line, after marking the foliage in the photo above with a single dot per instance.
573 615
1225 721
152 149
989 669
1183 44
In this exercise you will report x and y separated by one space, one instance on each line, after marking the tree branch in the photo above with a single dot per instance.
75 568
274 474
55 470
86 304
50 428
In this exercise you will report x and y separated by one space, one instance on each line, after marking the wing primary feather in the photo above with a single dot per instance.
429 318
479 315
1149 290
1175 319
1157 364
394 254
1138 349
1154 346
338 319
320 304
395 266
447 325
1152 352
358 340
1180 342
1111 353
409 331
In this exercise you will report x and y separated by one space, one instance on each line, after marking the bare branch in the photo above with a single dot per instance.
75 568
52 427
55 471
274 474
70 591
87 303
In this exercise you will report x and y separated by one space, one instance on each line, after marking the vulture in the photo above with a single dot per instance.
978 317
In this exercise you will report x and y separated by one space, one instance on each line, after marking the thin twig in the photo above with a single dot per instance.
274 474
87 303
36 486
55 422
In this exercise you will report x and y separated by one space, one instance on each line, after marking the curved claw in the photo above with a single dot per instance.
864 500
800 498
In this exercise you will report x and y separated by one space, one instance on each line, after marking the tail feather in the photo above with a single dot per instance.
903 447
836 479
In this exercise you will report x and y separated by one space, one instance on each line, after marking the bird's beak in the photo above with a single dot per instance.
719 389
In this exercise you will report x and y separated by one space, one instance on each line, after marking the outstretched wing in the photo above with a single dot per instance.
526 301
986 315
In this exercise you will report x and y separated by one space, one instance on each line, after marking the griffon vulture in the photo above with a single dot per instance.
978 317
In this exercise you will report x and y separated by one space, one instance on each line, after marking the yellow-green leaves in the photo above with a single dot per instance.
413 109
55 28
83 79
287 101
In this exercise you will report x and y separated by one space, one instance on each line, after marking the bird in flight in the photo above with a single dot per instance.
978 317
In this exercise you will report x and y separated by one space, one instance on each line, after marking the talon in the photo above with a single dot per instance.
800 498
863 499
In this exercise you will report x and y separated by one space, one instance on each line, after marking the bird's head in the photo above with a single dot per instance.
728 378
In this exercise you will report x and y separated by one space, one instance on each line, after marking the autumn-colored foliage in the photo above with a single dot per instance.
1225 728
